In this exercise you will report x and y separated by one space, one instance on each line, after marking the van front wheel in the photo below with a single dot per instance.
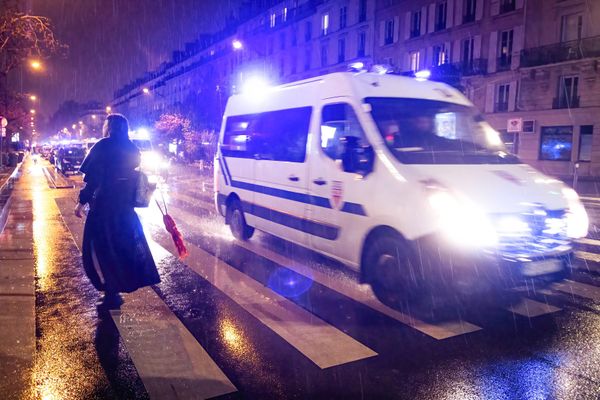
237 222
389 267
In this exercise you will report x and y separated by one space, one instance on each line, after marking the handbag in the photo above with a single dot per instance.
143 190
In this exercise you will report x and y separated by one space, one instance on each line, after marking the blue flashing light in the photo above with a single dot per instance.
424 74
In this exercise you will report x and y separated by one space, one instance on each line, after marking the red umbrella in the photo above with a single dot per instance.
172 229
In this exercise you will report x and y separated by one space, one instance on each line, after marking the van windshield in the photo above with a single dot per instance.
420 131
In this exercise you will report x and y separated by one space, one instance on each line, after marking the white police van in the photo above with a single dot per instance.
400 179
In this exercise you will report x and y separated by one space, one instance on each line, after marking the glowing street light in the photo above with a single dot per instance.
35 64
32 111
93 116
33 97
237 45
146 90
108 109
73 126
80 122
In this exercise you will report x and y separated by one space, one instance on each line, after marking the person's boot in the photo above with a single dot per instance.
111 301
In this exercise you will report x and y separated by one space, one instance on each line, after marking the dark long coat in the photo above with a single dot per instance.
116 256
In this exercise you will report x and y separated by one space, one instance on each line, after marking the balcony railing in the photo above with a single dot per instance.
468 18
559 52
565 102
476 66
504 63
507 6
501 107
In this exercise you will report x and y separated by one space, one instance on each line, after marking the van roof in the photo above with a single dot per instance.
341 84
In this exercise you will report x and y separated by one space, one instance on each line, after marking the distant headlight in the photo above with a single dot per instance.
461 222
577 218
150 158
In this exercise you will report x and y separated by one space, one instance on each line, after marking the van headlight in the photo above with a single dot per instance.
150 158
577 218
461 222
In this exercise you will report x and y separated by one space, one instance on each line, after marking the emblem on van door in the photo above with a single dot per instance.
337 194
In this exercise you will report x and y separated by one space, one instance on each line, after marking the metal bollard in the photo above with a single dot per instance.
575 175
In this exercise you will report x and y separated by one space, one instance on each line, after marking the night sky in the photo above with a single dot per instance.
112 42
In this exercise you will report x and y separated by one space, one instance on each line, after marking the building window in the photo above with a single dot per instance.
469 11
556 143
440 55
343 17
341 50
307 31
281 68
285 14
270 46
507 6
505 50
362 10
510 140
362 44
415 24
294 38
325 24
282 41
307 57
294 64
324 55
502 92
441 10
388 37
272 19
571 27
568 96
414 59
585 142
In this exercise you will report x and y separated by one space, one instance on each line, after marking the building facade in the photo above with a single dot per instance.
530 66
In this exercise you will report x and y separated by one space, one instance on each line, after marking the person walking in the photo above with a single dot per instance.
116 256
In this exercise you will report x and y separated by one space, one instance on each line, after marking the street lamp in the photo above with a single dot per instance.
146 90
32 111
33 97
108 109
237 45
35 65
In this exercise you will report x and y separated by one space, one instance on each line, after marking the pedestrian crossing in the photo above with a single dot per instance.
314 337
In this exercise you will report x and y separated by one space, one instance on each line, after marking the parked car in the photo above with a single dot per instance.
69 159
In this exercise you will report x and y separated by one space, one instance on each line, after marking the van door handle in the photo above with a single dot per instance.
320 182
293 178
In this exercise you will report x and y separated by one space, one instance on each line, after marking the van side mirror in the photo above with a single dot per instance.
356 158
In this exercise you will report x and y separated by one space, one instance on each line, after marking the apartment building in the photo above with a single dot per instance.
530 66
288 41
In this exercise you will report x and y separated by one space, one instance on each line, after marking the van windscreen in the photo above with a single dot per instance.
420 131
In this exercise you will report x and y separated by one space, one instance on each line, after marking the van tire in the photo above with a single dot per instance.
388 263
237 222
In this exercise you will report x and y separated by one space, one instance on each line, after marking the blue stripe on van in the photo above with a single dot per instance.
347 207
227 173
227 182
314 228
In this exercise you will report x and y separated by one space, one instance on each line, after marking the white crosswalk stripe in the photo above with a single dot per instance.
169 360
532 308
319 341
578 289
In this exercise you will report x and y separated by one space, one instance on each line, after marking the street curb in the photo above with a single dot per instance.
4 186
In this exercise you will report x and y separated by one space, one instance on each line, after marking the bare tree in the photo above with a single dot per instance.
24 36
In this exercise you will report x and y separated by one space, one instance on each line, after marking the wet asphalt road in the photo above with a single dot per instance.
270 320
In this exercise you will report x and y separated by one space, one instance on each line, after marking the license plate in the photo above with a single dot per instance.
542 267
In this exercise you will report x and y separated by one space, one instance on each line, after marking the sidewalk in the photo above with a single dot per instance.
17 295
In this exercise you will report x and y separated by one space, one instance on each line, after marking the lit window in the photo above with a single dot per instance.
556 143
585 142
415 60
272 20
325 24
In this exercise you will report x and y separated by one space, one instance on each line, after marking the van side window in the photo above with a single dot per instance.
275 135
339 121
236 137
